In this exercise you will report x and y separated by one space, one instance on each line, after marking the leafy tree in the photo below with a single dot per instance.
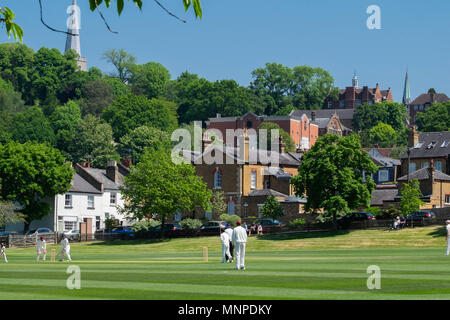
368 116
65 120
122 61
200 99
150 79
383 135
232 220
435 118
272 208
129 112
10 104
269 126
158 186
218 204
93 143
9 214
32 125
431 91
7 17
142 139
304 87
30 173
118 87
411 195
331 176
97 96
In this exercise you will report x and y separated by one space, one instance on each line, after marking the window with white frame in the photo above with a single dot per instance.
90 202
68 201
383 175
438 166
113 199
253 180
70 225
447 199
217 180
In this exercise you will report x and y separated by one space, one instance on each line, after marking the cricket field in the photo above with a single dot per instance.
330 265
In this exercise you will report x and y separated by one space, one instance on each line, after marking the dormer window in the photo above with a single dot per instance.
445 144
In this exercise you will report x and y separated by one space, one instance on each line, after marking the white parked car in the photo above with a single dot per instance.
73 234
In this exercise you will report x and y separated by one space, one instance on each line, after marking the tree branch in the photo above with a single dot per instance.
168 12
53 29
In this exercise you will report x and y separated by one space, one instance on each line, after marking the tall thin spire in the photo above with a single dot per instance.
73 36
406 91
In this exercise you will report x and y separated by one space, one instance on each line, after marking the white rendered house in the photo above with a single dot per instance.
93 197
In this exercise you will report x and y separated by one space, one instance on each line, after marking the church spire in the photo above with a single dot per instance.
73 36
406 91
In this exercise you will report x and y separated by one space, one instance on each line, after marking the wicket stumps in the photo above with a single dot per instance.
205 254
53 256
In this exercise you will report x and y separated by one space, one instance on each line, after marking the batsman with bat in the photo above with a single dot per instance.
41 248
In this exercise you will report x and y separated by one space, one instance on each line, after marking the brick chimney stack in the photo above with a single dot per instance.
112 171
413 137
313 116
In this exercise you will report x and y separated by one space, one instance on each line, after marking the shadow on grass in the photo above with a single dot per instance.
119 242
302 235
438 232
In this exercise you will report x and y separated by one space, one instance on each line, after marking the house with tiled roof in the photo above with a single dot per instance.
94 195
423 102
387 167
247 177
353 96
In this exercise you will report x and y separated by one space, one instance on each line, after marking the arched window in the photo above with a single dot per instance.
217 180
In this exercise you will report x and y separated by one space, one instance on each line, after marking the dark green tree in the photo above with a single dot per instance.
272 208
287 140
331 176
31 174
129 112
435 118
32 125
150 79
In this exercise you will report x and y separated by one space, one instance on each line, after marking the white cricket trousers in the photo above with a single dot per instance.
240 254
448 246
4 256
226 255
38 255
65 252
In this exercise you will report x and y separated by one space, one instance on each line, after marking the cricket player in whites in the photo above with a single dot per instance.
448 237
225 238
65 248
41 248
239 241
3 251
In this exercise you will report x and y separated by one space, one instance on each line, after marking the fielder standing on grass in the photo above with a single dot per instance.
3 251
448 237
41 248
65 248
225 238
239 241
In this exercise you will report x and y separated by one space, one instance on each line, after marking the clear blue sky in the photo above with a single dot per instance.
236 36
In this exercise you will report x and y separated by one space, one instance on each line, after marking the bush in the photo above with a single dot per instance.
190 224
230 219
375 211
111 223
145 225
297 224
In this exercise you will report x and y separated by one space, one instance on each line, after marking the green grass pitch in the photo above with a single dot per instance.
293 266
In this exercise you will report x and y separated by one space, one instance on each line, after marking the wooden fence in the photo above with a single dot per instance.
25 241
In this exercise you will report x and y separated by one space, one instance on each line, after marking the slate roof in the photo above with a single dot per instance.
266 192
430 98
100 175
424 174
343 114
379 195
385 152
286 159
321 122
277 173
80 185
381 160
431 145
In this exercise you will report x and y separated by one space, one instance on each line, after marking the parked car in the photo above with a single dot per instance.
269 225
73 234
212 227
354 217
123 230
39 231
420 217
170 229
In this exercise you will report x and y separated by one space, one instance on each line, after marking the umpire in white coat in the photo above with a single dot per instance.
239 240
